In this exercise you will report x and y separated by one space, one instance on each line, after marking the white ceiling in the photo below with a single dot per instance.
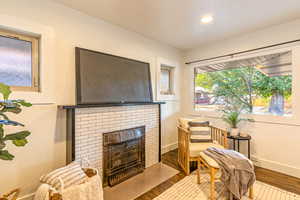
177 22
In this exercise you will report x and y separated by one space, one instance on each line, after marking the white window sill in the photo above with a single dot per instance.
268 119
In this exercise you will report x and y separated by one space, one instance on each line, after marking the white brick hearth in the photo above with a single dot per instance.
91 123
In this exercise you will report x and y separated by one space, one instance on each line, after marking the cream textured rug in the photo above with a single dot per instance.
188 189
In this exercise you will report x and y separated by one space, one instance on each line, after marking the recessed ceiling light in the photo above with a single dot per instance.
207 19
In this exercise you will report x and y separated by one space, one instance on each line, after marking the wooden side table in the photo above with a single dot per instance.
237 139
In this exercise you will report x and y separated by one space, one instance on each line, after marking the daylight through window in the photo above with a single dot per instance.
19 61
166 80
260 85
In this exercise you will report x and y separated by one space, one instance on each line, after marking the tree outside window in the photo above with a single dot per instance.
250 89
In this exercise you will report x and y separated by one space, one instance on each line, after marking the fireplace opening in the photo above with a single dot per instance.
124 154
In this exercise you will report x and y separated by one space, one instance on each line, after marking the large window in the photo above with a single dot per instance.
19 61
260 85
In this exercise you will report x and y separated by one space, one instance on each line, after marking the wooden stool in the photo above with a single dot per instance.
213 168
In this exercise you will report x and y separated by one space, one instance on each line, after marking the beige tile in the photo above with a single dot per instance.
140 184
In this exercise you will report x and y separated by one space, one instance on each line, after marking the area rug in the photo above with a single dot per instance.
188 189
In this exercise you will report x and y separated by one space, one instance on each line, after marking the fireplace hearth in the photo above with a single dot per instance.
123 154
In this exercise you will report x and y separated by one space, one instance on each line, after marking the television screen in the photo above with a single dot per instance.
104 78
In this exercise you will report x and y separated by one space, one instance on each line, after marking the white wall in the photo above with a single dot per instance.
62 29
274 146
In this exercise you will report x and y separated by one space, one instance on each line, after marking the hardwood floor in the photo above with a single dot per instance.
289 183
279 180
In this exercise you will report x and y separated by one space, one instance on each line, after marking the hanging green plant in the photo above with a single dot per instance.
19 139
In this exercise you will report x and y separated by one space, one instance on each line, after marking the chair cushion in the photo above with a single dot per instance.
200 134
184 122
200 130
211 162
198 123
196 148
201 137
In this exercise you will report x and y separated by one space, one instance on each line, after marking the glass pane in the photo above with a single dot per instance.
15 62
250 89
165 80
260 85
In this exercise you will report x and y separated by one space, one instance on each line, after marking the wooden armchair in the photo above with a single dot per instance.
188 151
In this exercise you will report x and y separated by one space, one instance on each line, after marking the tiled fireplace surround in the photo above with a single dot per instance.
89 124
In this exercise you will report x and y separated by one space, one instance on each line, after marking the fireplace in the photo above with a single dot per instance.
123 154
89 125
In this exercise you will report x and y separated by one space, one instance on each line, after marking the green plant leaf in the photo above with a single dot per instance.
23 103
4 116
20 143
10 122
5 155
15 110
5 91
2 144
1 133
17 136
26 104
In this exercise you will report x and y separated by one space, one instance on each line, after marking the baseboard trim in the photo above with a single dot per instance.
276 166
169 147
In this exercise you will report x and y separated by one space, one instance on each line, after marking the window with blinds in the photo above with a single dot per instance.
259 85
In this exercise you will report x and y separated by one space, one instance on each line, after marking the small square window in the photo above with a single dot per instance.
19 61
166 80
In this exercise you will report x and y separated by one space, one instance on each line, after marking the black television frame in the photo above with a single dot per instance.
78 79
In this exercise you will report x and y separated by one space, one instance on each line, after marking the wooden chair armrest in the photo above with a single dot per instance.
183 129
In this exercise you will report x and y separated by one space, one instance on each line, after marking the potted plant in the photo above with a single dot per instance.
14 107
232 118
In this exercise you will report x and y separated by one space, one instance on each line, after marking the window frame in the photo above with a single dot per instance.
293 119
171 78
35 81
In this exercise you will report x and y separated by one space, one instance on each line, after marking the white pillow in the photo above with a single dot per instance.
71 174
201 130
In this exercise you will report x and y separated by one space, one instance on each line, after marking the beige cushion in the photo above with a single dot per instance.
196 148
200 134
184 122
71 174
201 137
211 162
199 123
199 129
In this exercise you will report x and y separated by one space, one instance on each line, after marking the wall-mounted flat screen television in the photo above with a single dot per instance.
103 78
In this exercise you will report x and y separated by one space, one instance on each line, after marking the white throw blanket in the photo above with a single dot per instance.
42 193
90 190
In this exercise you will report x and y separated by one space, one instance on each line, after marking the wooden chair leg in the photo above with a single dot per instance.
212 183
251 193
188 168
198 171
230 196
